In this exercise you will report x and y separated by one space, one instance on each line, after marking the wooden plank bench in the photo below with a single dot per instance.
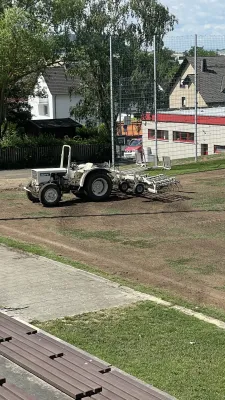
68 369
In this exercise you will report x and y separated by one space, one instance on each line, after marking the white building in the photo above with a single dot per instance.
176 133
58 100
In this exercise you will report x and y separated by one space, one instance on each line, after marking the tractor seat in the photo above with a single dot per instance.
88 166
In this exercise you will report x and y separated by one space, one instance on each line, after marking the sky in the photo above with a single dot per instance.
206 18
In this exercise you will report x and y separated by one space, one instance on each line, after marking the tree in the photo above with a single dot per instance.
16 107
27 48
132 25
201 52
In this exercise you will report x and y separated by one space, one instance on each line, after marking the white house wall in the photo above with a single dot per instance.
59 105
187 92
207 134
35 101
63 104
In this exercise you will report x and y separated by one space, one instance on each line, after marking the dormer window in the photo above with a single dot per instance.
182 84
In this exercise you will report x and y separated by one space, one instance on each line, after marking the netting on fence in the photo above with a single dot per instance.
172 96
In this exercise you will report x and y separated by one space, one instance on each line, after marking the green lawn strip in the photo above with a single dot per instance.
172 351
12 195
110 236
161 293
184 265
200 166
184 166
209 203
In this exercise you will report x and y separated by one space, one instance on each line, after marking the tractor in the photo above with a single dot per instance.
48 185
93 182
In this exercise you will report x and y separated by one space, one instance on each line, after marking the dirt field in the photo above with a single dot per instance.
174 241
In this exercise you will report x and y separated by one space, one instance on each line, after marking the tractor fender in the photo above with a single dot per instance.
92 171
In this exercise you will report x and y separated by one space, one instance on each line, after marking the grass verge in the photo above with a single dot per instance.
172 351
193 167
163 294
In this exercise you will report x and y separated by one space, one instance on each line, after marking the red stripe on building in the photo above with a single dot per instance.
186 119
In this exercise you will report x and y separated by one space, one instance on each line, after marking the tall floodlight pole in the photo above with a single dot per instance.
111 102
155 101
196 102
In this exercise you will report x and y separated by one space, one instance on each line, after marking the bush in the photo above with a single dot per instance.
94 134
22 151
84 136
14 140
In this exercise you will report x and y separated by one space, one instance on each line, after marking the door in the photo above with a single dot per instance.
204 149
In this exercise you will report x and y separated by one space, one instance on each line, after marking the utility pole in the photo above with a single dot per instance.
111 102
155 102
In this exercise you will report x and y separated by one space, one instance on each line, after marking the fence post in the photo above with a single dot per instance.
111 102
155 101
196 101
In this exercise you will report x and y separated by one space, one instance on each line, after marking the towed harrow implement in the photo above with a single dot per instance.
139 181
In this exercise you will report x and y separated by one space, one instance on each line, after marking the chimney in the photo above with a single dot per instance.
203 65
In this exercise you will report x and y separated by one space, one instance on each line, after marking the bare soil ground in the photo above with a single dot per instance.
174 241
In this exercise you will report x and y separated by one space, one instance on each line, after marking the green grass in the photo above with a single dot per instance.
111 211
193 167
12 195
172 351
183 265
38 214
162 293
215 182
220 288
210 203
110 236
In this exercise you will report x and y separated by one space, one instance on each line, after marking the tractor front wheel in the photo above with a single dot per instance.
50 195
31 197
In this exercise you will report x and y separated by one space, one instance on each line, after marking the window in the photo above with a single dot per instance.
43 109
183 136
135 142
219 149
183 101
161 135
182 85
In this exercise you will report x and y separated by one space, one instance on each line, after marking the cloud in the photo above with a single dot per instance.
204 19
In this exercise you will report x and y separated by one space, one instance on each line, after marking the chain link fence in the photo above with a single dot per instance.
170 96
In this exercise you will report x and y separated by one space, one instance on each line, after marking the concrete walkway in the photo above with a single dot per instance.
33 287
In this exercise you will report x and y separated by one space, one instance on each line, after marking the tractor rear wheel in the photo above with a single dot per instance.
50 195
98 186
80 195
